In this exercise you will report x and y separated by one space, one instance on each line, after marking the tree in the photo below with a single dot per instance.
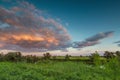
46 56
1 57
117 53
13 56
109 55
31 58
67 57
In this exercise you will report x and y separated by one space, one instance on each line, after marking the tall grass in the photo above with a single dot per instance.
51 70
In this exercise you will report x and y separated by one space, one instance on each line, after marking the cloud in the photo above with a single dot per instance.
24 27
118 43
93 40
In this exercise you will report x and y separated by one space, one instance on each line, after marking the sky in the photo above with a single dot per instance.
59 26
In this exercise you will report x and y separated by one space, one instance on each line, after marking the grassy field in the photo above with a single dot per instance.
73 57
54 70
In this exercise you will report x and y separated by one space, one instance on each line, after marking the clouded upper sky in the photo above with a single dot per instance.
74 26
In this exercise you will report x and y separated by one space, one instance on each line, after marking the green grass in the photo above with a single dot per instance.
76 58
54 70
73 57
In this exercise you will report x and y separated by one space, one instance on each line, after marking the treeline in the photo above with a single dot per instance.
94 58
18 57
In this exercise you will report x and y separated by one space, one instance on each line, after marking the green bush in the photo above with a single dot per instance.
95 58
13 56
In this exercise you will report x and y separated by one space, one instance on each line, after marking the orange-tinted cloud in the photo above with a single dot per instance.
27 28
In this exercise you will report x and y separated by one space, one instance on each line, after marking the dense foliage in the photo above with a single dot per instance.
14 66
50 70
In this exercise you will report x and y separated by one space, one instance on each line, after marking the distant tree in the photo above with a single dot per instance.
67 57
31 58
1 56
81 56
70 56
117 53
47 56
13 56
35 59
109 55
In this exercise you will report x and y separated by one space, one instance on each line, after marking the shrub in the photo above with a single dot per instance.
1 57
13 56
95 58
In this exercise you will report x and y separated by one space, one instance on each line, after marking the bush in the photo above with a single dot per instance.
1 57
95 58
13 56
109 55
113 67
31 58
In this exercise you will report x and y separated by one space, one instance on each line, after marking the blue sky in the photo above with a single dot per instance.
82 19
85 17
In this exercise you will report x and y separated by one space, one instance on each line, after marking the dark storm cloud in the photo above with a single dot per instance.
93 40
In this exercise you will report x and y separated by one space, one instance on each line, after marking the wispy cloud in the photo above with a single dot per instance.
118 43
94 40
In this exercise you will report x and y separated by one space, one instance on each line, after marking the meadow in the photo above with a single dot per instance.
51 69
